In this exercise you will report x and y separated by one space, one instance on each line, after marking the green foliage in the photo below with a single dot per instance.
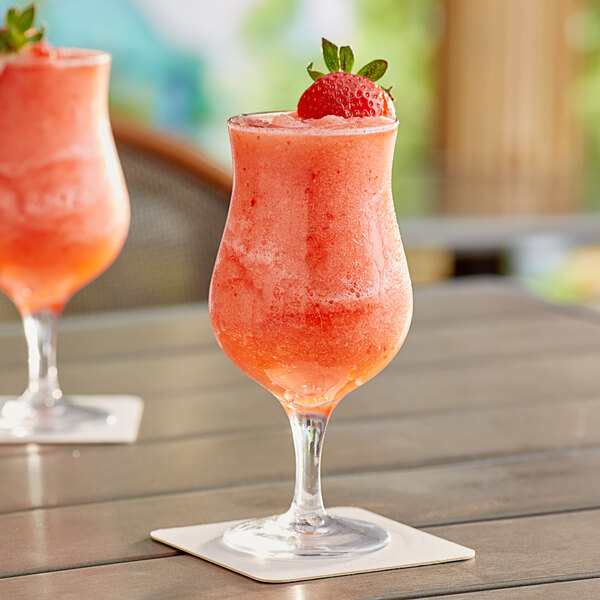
268 16
17 32
587 100
277 37
314 74
330 55
346 59
405 32
342 59
374 70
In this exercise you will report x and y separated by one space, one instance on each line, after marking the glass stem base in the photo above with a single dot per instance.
30 415
42 408
282 537
306 529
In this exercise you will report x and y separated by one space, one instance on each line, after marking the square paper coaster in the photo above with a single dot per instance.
121 426
408 547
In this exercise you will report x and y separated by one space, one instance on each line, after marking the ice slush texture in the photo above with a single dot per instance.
63 202
310 294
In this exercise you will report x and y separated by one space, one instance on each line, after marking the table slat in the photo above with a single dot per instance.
49 539
586 589
456 345
485 430
246 406
100 473
170 328
511 552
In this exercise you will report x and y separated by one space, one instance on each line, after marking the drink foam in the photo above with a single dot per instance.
286 121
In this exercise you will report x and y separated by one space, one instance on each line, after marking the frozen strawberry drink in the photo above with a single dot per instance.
311 295
64 206
64 209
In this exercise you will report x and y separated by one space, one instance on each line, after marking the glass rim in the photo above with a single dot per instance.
392 125
69 57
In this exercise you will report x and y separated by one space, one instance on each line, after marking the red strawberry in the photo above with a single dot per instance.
42 49
343 94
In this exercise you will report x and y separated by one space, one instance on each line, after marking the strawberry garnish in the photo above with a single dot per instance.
342 93
42 49
17 31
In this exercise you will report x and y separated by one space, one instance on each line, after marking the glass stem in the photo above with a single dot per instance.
308 430
43 390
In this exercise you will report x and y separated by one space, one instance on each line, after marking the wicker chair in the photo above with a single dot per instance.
178 210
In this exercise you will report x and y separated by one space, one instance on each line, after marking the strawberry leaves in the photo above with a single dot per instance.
17 31
374 70
342 59
331 55
314 74
342 93
346 59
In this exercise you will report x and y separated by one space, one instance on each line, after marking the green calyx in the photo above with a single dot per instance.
17 30
342 59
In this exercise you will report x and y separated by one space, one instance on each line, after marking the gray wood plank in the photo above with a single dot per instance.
169 328
520 334
511 552
100 473
246 406
181 328
559 352
391 394
119 333
497 233
586 589
541 333
50 539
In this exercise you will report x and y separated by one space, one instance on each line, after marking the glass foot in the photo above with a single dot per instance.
19 418
285 537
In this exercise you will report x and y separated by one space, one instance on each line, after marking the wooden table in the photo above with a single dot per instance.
484 430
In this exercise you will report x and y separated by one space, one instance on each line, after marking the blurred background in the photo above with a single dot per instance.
496 165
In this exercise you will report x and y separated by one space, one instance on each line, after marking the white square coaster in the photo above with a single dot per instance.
121 426
408 547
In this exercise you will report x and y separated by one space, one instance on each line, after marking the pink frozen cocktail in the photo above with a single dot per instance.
63 204
311 295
